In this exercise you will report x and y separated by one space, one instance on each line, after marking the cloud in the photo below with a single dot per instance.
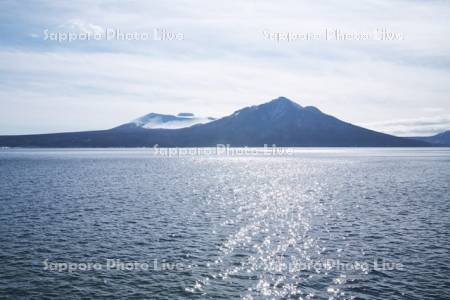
425 126
223 63
81 26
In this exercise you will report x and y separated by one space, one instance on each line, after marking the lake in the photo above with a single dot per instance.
319 223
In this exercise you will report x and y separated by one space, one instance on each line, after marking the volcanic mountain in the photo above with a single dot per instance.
281 122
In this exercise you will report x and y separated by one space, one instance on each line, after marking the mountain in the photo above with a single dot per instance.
154 121
285 123
281 122
440 139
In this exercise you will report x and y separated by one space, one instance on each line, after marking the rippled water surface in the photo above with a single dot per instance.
319 224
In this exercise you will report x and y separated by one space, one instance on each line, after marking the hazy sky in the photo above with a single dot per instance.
225 56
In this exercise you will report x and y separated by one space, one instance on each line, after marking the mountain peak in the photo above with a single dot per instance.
313 109
272 110
283 101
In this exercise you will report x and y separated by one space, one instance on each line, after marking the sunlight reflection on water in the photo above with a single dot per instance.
251 227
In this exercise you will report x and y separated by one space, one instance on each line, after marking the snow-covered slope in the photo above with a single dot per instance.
182 120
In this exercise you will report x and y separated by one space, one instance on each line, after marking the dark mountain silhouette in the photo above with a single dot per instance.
440 139
281 122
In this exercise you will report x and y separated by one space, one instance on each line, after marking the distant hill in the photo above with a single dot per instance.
440 139
281 122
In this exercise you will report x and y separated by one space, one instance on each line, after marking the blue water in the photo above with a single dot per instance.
225 226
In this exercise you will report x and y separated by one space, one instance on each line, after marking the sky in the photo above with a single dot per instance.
381 64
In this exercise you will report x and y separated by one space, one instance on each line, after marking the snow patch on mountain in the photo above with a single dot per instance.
160 121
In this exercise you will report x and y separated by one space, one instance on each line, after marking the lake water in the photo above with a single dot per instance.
309 224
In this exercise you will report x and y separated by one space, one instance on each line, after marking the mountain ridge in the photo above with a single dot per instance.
280 122
441 139
165 121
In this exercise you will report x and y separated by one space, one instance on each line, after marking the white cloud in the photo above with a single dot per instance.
224 62
424 126
81 26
